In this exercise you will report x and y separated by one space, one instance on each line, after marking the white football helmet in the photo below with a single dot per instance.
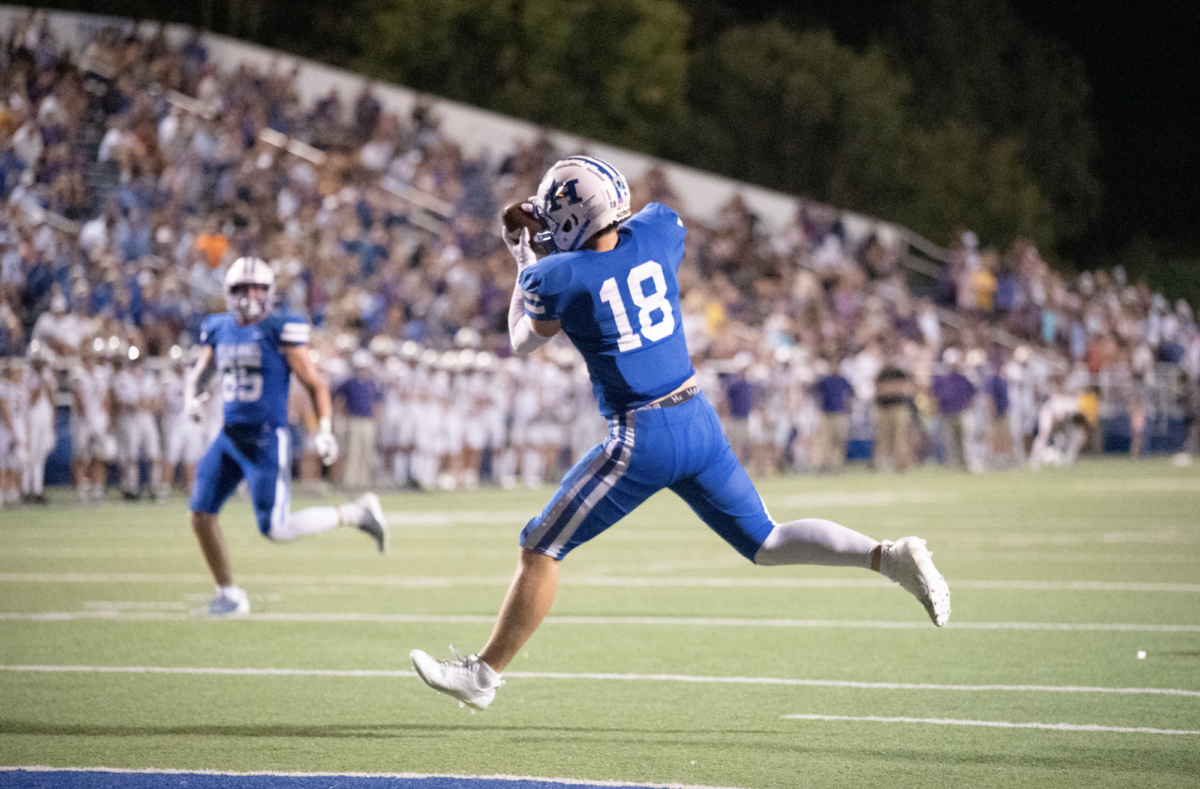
578 197
238 300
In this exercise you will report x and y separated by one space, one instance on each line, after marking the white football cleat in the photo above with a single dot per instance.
467 679
373 522
229 604
909 563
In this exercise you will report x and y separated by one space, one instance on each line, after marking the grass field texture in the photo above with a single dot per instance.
667 658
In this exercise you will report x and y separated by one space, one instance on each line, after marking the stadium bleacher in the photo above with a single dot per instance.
139 161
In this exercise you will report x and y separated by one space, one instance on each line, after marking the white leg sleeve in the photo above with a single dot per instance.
305 522
816 541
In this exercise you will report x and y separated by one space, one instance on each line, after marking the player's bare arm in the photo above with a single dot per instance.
313 380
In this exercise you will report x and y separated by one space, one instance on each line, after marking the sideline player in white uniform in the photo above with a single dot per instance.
611 286
40 386
139 401
1061 430
409 383
185 436
13 401
90 432
256 350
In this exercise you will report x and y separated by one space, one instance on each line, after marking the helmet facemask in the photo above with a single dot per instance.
249 302
249 290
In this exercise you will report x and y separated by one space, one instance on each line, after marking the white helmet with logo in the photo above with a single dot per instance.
579 197
244 273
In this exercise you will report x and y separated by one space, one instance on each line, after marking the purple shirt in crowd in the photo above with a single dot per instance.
997 389
361 396
739 394
835 394
953 392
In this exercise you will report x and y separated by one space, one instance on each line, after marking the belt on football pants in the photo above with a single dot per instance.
675 398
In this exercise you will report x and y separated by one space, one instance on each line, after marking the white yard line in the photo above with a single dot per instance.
868 498
1089 727
606 677
1164 485
417 776
116 612
429 582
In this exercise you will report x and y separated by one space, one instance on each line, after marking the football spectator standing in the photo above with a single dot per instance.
256 350
833 431
1000 443
359 397
663 433
893 417
739 401
953 392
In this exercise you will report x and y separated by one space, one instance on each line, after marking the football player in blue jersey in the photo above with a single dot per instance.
256 350
609 282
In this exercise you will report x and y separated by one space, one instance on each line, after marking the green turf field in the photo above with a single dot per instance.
1058 579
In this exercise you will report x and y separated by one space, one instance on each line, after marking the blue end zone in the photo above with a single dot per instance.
93 779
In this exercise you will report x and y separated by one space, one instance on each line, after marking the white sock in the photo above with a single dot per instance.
815 541
351 513
233 592
312 520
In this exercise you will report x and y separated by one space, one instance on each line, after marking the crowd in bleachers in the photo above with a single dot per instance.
132 173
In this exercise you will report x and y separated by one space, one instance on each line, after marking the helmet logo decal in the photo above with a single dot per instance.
565 189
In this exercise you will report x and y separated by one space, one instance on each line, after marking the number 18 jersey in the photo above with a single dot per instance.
621 309
253 371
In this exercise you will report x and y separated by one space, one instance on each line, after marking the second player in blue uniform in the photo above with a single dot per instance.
256 351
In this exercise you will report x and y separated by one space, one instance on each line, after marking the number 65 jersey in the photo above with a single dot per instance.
253 371
620 308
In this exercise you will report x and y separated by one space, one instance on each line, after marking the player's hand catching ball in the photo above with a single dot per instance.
518 217
521 227
325 443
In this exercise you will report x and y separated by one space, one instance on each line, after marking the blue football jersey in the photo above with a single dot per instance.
254 373
621 309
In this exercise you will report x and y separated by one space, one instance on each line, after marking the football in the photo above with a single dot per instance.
517 216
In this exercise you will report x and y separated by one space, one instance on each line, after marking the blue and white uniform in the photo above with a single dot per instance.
621 310
254 442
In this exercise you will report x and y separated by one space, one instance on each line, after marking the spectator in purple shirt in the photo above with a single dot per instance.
739 399
953 392
359 396
999 433
833 431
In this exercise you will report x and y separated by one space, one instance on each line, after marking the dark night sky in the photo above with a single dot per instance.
1143 63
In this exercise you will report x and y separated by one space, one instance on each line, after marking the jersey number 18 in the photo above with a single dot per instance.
649 303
